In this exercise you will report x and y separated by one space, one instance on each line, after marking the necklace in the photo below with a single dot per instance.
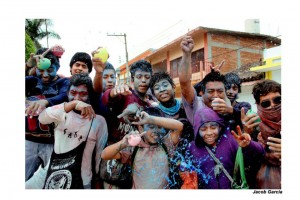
172 110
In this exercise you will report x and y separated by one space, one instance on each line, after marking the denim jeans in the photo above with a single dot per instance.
36 154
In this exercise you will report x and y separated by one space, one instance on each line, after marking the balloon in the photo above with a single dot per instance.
250 112
134 140
102 54
44 63
58 51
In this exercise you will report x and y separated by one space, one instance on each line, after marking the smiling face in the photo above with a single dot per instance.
108 79
163 91
46 75
213 89
154 133
79 67
78 93
141 81
210 132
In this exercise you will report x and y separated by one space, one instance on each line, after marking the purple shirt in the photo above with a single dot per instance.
225 150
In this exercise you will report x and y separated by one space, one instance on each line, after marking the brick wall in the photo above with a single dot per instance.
235 50
219 54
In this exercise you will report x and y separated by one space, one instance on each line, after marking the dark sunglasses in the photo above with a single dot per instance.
267 103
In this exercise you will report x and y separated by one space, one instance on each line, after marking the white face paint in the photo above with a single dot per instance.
164 91
108 79
141 81
154 133
210 132
78 93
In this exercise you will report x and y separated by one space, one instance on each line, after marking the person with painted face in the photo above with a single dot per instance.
233 87
108 82
56 52
43 90
213 136
78 131
248 122
267 95
126 102
121 96
163 87
149 150
214 87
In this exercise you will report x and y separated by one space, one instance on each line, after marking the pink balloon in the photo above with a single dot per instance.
58 53
134 140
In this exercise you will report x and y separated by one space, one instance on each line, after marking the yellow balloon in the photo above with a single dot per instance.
102 54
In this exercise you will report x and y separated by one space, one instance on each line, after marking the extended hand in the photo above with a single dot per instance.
122 89
218 67
248 121
144 118
131 113
36 107
243 139
187 44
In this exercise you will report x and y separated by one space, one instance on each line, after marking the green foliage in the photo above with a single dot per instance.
29 47
37 29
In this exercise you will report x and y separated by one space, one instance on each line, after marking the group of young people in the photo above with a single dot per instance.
82 134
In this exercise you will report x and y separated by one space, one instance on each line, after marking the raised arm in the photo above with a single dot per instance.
99 67
185 69
167 123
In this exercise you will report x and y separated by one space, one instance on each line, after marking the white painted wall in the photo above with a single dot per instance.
276 75
247 96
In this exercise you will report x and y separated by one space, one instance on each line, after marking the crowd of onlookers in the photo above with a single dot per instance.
84 134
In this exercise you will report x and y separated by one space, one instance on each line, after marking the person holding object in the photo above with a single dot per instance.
78 131
213 141
150 157
44 89
267 95
214 88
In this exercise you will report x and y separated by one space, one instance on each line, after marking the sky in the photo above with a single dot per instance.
83 26
81 35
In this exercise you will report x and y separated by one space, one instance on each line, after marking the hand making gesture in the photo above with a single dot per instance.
187 44
131 113
243 139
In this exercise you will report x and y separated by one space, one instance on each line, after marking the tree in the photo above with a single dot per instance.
34 28
29 47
